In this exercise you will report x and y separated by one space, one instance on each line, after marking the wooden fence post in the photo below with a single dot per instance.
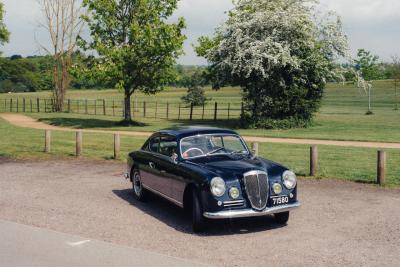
144 109
155 113
47 141
45 105
255 148
117 145
179 112
113 107
23 105
215 111
313 161
104 107
86 106
229 111
167 110
191 112
381 168
17 104
38 104
78 105
5 104
69 105
95 107
78 149
30 102
202 113
11 105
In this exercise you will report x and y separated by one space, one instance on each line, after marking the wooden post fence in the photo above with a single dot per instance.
11 105
202 113
229 111
104 107
17 104
95 107
78 149
30 102
191 112
313 161
167 110
179 112
255 148
38 104
47 141
23 105
144 109
69 105
155 113
215 111
381 167
117 145
113 107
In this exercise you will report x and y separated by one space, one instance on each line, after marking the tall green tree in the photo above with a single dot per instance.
4 33
136 43
368 66
281 53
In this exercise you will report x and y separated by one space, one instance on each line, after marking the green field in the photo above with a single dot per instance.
356 164
341 117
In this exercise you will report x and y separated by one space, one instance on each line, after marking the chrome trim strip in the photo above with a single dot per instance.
231 214
233 203
164 196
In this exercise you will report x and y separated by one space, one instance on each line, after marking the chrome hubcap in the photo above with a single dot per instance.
137 184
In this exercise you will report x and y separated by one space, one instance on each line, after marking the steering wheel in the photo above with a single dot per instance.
193 149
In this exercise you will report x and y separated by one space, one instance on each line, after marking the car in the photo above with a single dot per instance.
212 173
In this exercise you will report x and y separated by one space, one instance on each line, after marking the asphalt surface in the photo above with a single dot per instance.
29 246
339 224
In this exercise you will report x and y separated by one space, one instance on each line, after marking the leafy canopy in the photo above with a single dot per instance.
281 53
136 45
4 33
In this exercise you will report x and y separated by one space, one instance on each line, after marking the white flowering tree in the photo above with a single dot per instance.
281 53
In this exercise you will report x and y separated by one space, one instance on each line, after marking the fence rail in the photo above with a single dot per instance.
139 109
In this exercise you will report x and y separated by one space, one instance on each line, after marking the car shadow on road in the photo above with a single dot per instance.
176 218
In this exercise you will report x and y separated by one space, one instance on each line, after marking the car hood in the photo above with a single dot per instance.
233 167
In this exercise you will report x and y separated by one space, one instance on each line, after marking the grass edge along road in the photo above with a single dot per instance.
341 117
349 163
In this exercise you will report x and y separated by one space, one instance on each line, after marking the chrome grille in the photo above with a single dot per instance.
257 188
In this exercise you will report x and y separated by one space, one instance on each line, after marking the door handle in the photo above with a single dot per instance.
152 165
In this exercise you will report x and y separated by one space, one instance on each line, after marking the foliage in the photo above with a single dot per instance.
136 44
4 33
368 65
25 75
281 53
196 94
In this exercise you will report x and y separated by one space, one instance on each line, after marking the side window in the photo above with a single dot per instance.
168 146
153 145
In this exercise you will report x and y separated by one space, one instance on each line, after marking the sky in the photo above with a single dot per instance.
369 24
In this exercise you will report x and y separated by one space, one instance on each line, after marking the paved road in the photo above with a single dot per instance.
28 122
29 246
339 224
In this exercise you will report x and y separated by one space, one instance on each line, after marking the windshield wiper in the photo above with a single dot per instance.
215 151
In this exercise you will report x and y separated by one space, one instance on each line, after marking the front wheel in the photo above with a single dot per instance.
282 218
138 191
198 220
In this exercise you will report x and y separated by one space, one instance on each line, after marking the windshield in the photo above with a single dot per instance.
208 145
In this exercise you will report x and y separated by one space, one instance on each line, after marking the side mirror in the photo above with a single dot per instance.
174 158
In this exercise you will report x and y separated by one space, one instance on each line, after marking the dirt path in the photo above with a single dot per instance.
339 223
28 122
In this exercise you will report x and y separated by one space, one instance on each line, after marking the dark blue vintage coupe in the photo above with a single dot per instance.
212 173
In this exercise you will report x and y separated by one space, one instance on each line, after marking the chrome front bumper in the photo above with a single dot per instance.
231 214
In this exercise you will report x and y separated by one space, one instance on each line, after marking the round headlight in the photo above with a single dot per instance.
277 188
218 187
234 193
289 179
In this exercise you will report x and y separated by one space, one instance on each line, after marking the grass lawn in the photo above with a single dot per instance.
356 164
341 117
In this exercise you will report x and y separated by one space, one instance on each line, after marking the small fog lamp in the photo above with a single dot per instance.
234 193
277 188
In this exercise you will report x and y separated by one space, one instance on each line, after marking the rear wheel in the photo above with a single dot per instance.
282 218
138 191
198 220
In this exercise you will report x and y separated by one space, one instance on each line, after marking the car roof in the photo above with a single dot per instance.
184 131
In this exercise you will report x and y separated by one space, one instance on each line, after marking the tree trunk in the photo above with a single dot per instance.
127 101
